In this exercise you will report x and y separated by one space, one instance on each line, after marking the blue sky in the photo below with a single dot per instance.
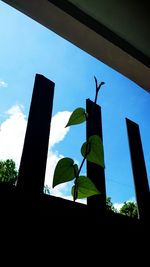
27 48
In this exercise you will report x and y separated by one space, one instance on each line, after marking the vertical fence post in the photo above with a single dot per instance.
33 161
139 169
94 171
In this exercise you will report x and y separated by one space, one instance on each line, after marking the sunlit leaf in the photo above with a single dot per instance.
78 116
94 147
85 188
65 171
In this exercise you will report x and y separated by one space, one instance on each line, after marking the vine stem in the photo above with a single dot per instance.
96 95
76 178
97 90
75 195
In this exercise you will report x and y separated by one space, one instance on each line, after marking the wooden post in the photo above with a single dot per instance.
94 171
34 156
139 169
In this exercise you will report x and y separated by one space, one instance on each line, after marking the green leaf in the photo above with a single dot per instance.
78 116
94 147
86 188
65 171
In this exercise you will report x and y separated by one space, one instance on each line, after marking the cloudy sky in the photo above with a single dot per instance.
27 48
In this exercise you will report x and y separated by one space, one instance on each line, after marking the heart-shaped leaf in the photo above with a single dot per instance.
65 171
78 116
85 188
94 147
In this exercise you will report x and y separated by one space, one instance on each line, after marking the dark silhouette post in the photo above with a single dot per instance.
94 171
139 169
33 162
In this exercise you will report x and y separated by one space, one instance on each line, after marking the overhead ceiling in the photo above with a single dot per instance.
115 32
128 19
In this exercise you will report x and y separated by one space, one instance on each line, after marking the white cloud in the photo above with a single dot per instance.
16 110
118 206
132 199
63 191
52 159
12 133
57 134
3 84
58 130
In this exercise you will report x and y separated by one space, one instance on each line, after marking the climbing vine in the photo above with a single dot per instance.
92 150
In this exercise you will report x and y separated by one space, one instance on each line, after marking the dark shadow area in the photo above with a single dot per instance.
28 216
